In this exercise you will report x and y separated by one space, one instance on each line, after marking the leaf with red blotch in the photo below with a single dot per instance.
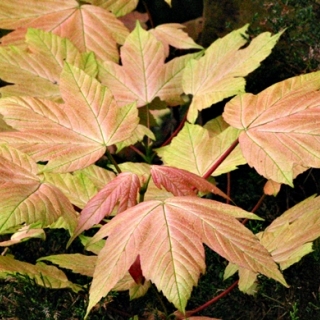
168 236
24 198
65 18
280 127
181 182
72 135
123 190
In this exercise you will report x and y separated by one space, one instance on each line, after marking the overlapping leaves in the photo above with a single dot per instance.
219 74
25 199
143 74
196 149
281 131
168 236
72 135
65 18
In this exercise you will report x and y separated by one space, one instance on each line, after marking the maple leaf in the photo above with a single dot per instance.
288 238
171 34
219 74
72 135
36 71
123 190
80 186
24 198
78 263
24 234
168 237
77 187
148 77
88 27
181 182
281 135
117 7
143 171
196 149
43 275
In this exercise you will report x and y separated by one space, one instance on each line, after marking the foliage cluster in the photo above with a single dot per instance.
83 89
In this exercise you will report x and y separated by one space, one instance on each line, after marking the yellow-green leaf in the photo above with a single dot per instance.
43 275
196 149
219 74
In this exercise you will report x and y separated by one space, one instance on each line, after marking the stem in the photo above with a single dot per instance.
210 302
143 190
149 14
228 186
148 124
111 159
255 208
221 159
176 131
138 152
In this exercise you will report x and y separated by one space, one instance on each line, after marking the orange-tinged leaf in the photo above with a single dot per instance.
23 234
130 19
24 68
271 188
143 171
25 199
15 14
36 71
138 80
76 22
55 51
72 135
17 167
29 203
123 190
171 79
281 127
172 34
146 78
46 276
219 74
195 149
181 182
288 237
168 237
